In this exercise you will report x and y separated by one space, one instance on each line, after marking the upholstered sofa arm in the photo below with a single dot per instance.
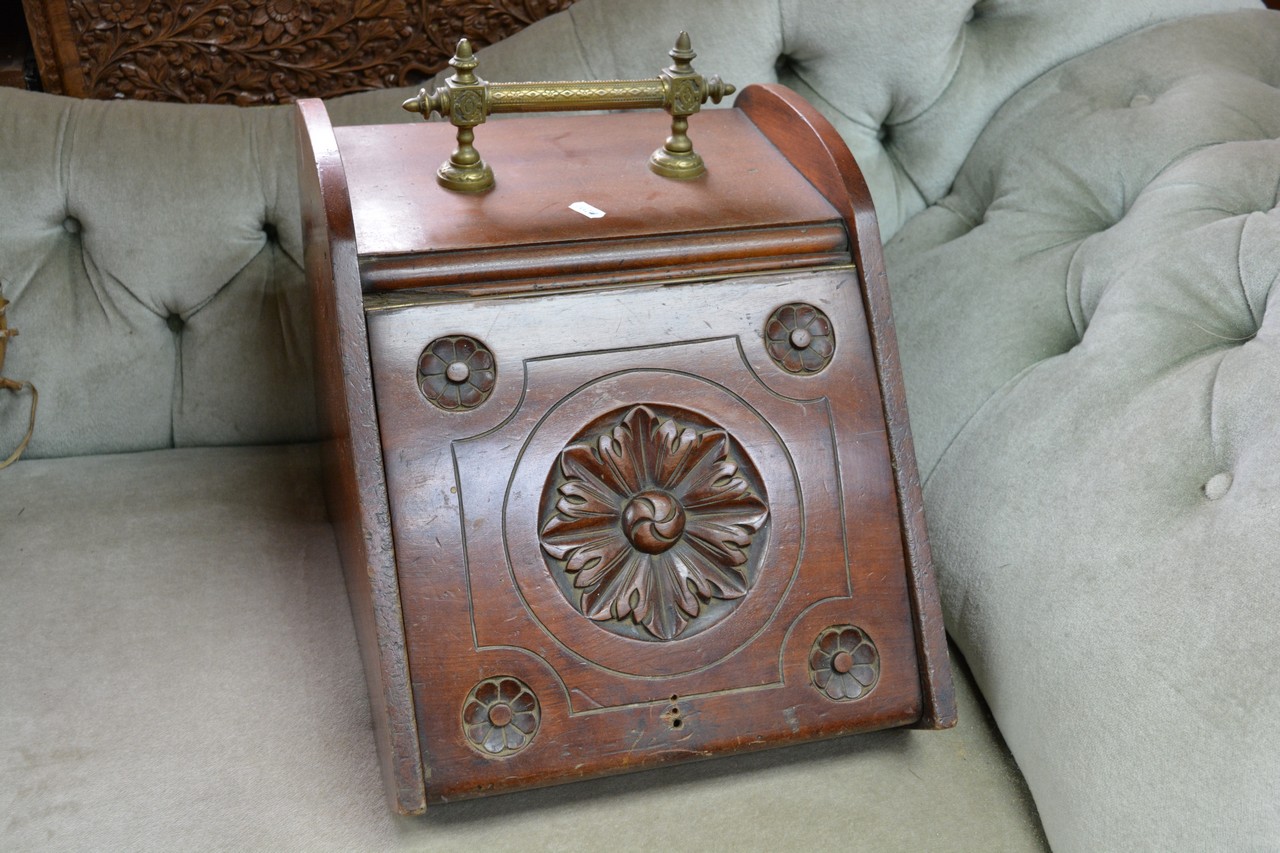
1089 325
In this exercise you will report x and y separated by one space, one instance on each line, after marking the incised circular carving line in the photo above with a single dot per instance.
646 524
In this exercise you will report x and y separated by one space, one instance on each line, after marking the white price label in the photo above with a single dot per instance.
587 210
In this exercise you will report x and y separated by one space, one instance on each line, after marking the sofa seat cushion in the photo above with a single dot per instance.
1090 333
181 672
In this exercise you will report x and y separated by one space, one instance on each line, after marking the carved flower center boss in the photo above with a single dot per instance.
653 520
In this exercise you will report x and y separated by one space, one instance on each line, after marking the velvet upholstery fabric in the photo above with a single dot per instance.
1090 337
184 676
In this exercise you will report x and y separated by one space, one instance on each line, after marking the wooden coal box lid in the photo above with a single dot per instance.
575 204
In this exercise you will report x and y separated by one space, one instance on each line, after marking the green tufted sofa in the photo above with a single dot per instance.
1080 207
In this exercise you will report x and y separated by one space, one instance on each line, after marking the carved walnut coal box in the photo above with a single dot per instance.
624 489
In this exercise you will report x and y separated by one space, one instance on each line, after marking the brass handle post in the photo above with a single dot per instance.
467 100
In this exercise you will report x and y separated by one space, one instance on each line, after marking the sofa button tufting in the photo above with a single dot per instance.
1217 486
1141 100
71 225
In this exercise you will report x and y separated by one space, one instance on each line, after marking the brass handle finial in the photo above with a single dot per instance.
467 100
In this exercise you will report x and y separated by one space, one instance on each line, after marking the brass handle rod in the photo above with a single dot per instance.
561 97
467 100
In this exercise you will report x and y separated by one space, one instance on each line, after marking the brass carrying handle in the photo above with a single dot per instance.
467 100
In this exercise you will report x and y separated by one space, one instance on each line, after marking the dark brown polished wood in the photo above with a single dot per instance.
355 483
744 216
252 52
649 492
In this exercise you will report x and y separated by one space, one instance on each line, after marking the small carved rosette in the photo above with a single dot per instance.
653 519
456 373
844 663
800 338
500 716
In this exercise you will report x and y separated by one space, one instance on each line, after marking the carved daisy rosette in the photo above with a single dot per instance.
125 13
456 373
844 663
278 17
800 338
653 518
500 716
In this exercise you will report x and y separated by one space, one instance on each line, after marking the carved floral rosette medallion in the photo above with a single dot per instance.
456 373
844 663
800 338
652 515
500 716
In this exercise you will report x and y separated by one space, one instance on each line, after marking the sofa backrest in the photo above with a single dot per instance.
909 85
152 252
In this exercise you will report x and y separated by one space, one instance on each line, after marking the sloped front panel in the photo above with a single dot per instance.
666 529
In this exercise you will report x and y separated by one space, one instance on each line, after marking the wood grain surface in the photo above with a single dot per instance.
355 482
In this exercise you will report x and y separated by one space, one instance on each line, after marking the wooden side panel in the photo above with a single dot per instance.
814 147
354 478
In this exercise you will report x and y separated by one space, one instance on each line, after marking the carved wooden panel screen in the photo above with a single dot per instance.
252 52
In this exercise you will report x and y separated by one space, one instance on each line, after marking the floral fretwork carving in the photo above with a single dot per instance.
271 51
653 517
